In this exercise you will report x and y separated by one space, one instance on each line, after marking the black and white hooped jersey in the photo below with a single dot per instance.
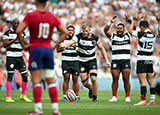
15 49
145 44
86 47
70 53
121 46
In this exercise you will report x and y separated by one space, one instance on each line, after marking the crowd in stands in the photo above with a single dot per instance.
95 12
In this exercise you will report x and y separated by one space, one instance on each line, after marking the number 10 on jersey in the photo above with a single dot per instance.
43 30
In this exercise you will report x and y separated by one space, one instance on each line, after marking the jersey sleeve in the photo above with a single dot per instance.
98 40
129 35
27 19
6 35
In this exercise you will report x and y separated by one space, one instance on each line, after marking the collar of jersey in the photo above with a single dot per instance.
147 30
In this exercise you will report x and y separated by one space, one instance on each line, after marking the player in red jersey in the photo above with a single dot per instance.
41 24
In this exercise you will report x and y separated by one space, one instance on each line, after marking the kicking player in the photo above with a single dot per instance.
120 58
41 24
144 56
70 65
87 44
14 61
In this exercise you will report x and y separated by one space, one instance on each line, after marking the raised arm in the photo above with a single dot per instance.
158 19
104 54
131 27
107 26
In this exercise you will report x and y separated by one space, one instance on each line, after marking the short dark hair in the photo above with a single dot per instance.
120 24
42 1
16 19
70 26
144 23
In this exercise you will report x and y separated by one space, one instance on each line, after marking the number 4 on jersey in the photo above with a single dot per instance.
43 30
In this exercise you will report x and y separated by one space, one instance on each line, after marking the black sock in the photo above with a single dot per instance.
143 91
94 97
152 91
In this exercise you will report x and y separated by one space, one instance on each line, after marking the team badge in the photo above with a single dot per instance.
82 68
114 65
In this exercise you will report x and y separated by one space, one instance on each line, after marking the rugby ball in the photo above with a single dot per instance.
71 95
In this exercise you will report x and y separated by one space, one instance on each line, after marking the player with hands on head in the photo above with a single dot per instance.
146 39
120 57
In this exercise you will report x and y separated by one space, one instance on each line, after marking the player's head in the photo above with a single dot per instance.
86 29
40 2
71 30
143 25
120 28
15 23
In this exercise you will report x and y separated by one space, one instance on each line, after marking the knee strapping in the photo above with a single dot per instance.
93 74
83 81
23 72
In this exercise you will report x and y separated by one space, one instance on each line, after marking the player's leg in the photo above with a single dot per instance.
48 62
141 73
126 74
142 81
24 75
152 88
86 84
83 68
115 76
76 86
35 67
93 76
52 89
8 87
37 90
66 78
10 65
75 73
20 65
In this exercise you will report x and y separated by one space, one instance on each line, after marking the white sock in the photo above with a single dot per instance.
152 98
55 107
38 107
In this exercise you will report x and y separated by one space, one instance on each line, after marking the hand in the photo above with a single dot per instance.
158 17
114 19
135 17
141 15
108 64
126 17
74 45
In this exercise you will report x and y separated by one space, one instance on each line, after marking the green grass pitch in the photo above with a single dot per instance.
85 107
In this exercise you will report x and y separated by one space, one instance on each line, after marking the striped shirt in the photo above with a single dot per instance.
121 46
15 49
70 53
145 44
86 47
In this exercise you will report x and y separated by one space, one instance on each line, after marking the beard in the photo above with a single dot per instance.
119 33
